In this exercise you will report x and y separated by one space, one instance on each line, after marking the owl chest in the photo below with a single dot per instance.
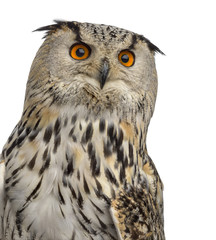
70 173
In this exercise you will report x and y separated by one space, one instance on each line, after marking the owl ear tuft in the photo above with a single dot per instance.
59 24
153 48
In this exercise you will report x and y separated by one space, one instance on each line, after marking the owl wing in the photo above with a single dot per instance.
137 207
2 195
136 216
137 212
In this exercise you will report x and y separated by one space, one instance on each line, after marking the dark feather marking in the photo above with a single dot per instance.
87 135
24 112
137 159
27 131
80 200
19 125
33 192
48 28
113 194
31 111
29 226
72 191
90 149
20 140
73 235
84 217
10 149
12 234
3 153
130 146
45 165
45 154
85 185
126 161
11 137
99 187
122 174
107 148
73 119
41 237
33 236
80 127
18 169
62 201
7 219
97 208
71 131
19 223
83 226
62 212
111 132
95 166
74 138
102 33
36 195
119 139
111 177
70 169
15 182
7 180
64 180
120 154
60 25
57 126
104 227
8 215
24 124
57 142
123 37
47 134
106 199
33 135
75 28
65 122
102 125
9 159
112 34
37 124
78 174
134 41
94 163
20 130
151 46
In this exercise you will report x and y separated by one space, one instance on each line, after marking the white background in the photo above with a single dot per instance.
181 138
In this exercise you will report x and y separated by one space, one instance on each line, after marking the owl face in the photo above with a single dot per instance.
82 62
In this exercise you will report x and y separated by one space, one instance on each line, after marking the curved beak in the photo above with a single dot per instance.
104 73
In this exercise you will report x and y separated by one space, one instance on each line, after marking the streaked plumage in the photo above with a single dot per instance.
76 164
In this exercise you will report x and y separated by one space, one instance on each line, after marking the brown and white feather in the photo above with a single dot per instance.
76 164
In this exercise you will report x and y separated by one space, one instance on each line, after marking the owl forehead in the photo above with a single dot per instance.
105 34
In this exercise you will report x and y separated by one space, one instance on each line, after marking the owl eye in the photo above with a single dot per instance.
80 51
126 58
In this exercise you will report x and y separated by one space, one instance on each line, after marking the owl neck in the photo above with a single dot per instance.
134 121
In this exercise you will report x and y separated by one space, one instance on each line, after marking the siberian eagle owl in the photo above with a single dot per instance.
76 165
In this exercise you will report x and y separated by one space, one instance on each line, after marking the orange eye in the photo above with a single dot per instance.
80 51
126 58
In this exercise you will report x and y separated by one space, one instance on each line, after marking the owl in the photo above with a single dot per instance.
76 166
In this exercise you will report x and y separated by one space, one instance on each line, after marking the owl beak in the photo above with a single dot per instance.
104 73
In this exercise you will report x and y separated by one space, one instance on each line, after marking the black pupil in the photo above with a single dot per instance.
125 58
80 52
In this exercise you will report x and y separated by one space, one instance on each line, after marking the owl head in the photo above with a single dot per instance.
98 66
